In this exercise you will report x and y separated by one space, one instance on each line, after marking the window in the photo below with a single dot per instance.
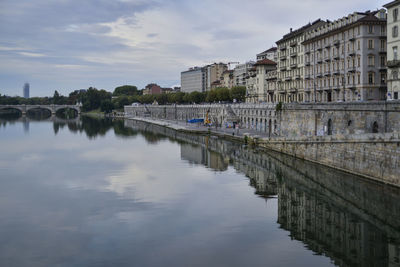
383 61
371 61
371 78
358 30
371 29
395 14
370 44
358 62
395 52
358 78
395 31
395 75
358 45
383 29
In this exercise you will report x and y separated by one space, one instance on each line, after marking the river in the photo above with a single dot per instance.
91 192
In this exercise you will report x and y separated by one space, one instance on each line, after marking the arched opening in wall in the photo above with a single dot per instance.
10 114
275 126
256 124
38 113
329 127
265 125
375 127
252 123
349 123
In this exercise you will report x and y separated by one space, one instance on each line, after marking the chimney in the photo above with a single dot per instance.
291 29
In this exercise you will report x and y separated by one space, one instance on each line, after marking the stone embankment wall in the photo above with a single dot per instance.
361 138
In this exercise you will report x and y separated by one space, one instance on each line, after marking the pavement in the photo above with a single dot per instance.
200 128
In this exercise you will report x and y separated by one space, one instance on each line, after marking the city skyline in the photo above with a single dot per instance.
106 44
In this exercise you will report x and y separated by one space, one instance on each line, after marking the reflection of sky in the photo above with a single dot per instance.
71 201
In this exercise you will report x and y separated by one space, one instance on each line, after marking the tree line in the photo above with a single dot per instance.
94 99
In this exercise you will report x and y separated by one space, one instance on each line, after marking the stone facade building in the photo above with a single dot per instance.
256 81
290 70
227 79
345 60
393 46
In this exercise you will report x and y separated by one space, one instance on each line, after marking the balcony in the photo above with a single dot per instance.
307 76
283 68
307 52
352 69
393 63
282 57
352 39
327 59
307 63
336 57
319 60
319 74
288 78
352 53
297 76
293 65
336 72
319 48
293 43
336 43
283 47
382 50
327 73
328 45
293 53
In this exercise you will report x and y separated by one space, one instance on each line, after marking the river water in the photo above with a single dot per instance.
90 192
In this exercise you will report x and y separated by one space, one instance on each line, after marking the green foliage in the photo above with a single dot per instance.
238 93
106 106
125 90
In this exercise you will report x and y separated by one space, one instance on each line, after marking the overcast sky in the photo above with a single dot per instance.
66 45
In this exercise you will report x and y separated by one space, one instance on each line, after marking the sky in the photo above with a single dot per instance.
66 45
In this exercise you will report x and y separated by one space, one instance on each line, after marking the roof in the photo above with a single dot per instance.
300 30
265 62
369 17
391 4
272 49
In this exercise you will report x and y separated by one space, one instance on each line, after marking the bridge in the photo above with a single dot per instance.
52 108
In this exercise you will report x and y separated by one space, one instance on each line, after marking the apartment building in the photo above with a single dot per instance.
290 72
256 81
345 60
240 73
214 73
194 79
227 79
393 46
271 54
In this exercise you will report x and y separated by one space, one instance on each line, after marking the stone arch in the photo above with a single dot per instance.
28 108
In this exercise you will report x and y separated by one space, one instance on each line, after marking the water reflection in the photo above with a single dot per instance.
352 221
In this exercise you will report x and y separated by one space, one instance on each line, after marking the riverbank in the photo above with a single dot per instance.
372 156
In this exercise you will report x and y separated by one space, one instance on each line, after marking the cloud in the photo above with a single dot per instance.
137 41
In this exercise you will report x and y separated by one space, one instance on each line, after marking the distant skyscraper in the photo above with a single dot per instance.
26 90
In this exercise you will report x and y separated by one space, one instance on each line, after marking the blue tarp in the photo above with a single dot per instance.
195 120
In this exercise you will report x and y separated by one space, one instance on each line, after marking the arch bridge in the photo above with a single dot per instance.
52 108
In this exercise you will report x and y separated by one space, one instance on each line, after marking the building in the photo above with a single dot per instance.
271 54
26 90
213 74
345 59
193 79
256 81
393 46
227 79
290 72
152 89
240 73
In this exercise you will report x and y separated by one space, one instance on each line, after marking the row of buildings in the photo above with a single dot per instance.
353 58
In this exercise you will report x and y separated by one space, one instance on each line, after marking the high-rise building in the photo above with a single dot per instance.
193 79
26 90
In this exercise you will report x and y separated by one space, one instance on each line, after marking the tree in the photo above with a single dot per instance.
238 93
125 90
106 106
223 94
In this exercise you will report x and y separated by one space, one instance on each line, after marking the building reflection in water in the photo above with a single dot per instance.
353 221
